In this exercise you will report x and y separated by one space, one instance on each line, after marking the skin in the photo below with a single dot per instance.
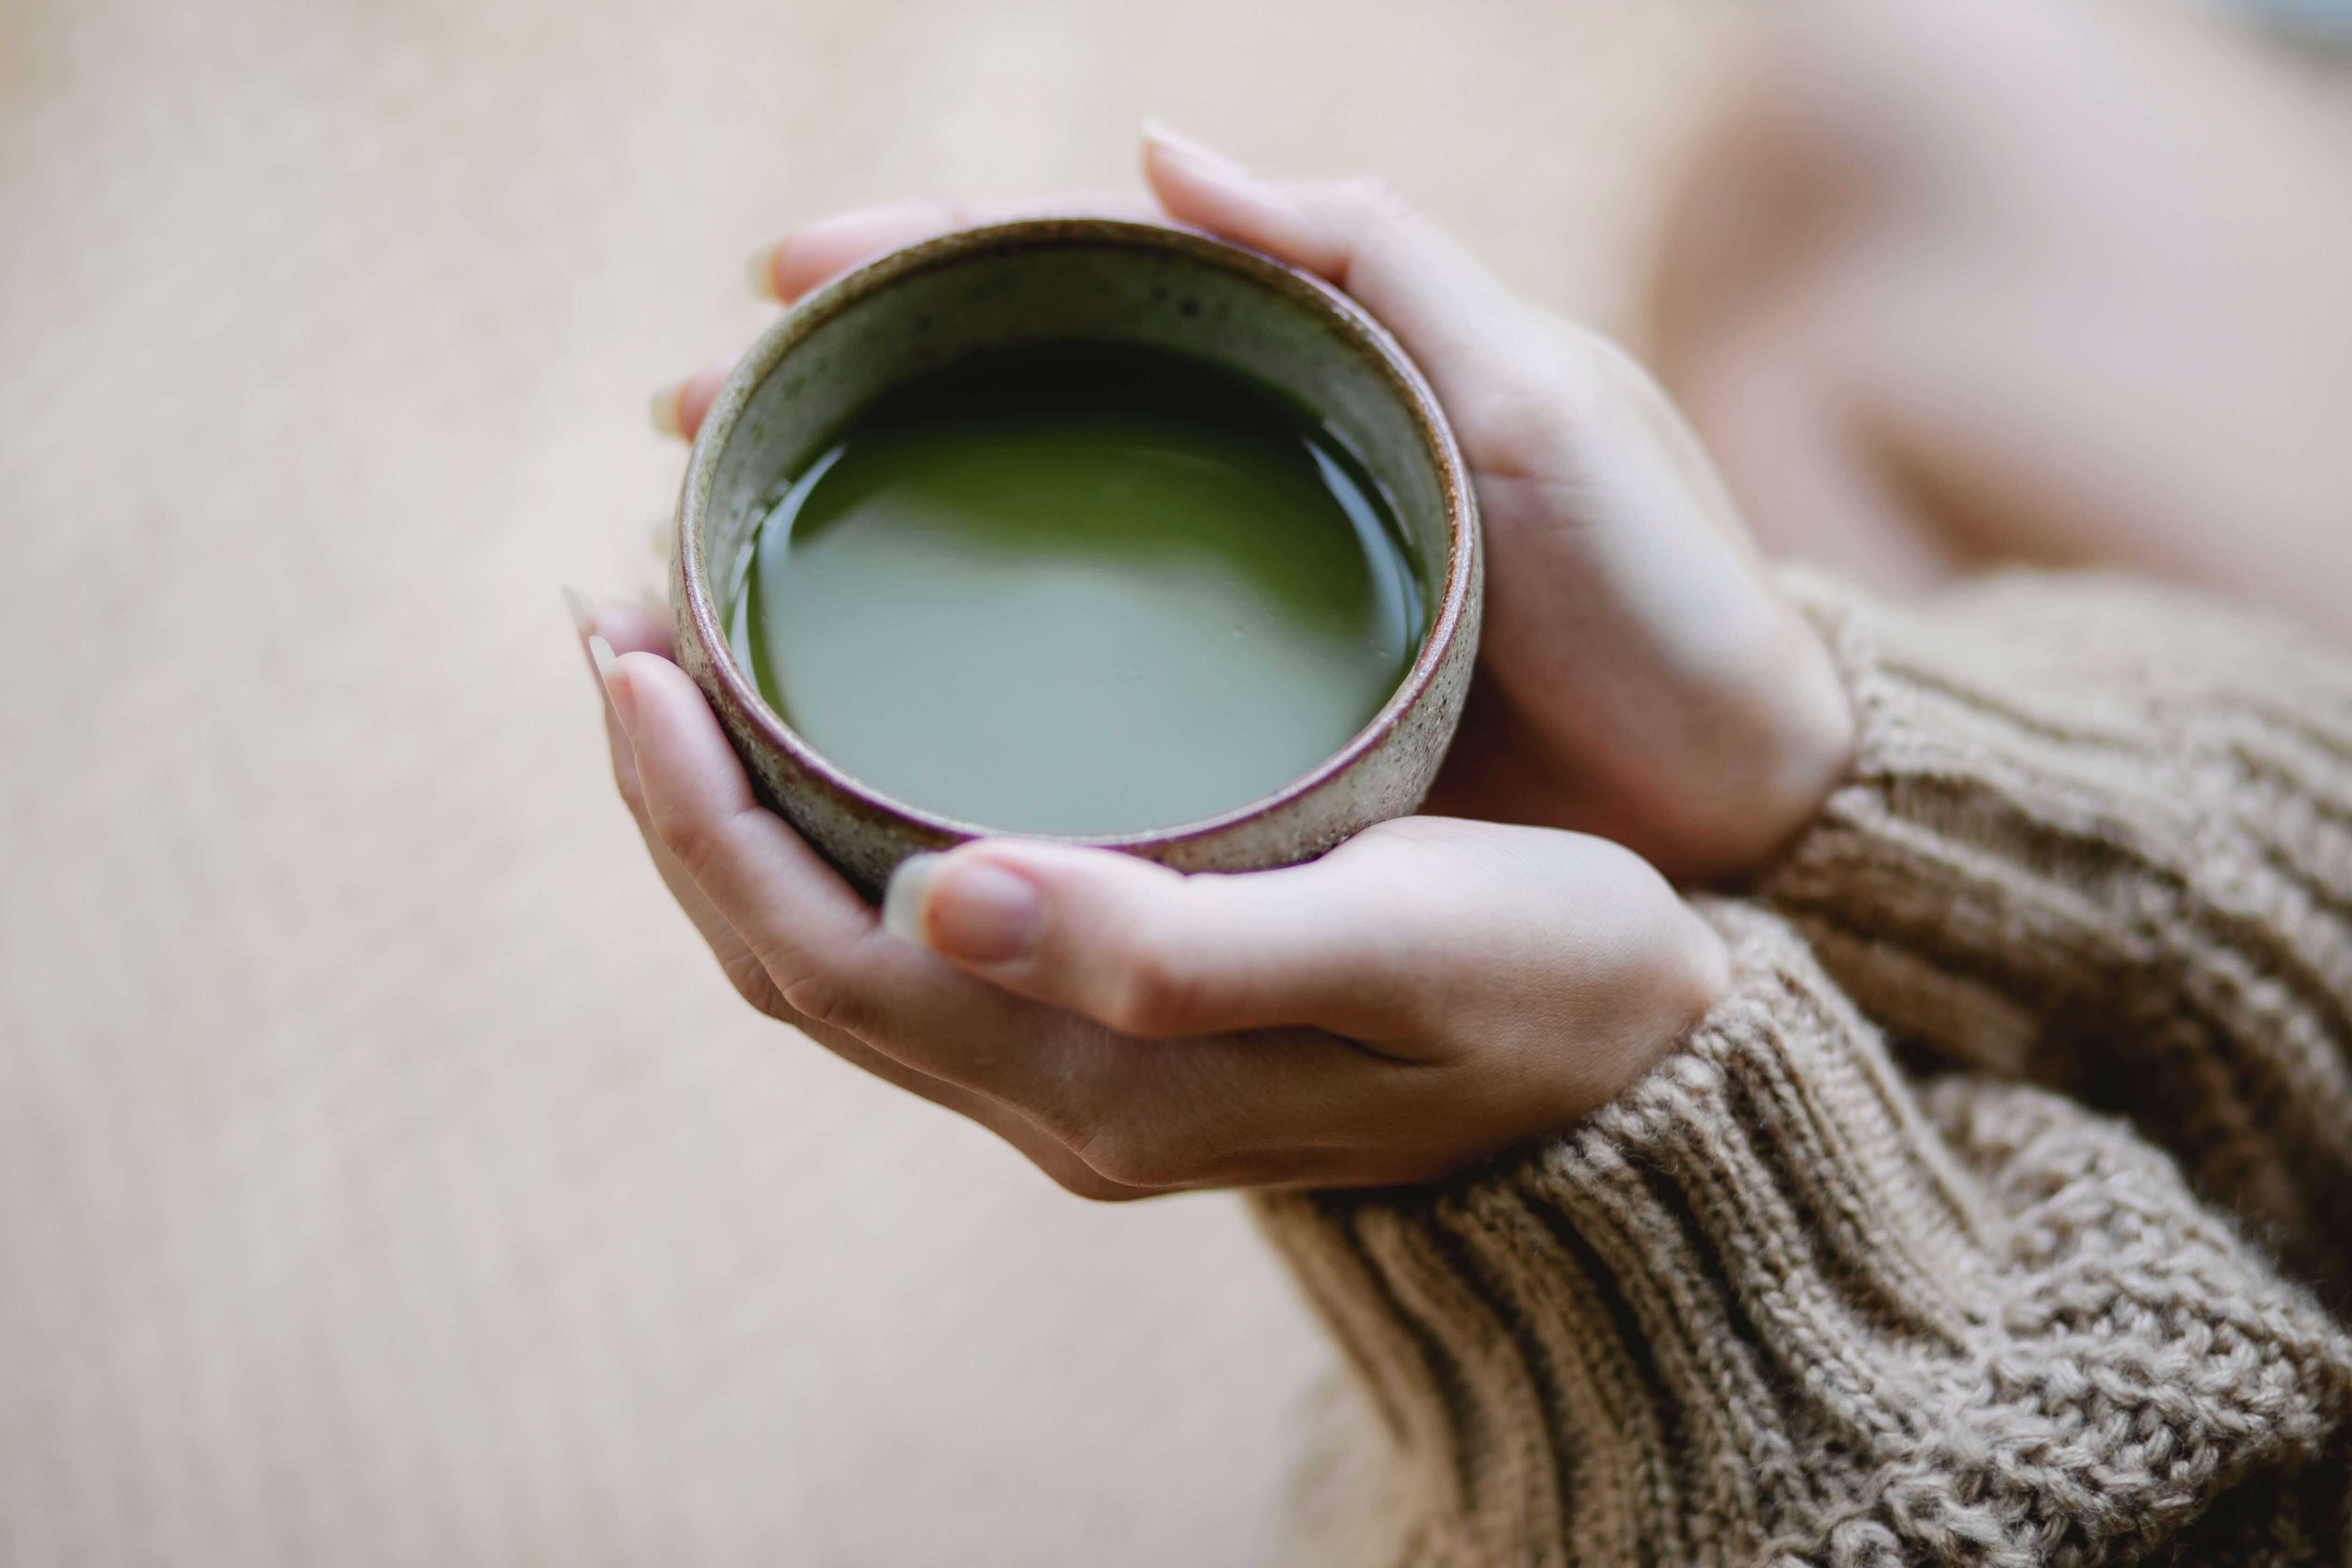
1953 280
1960 280
1439 988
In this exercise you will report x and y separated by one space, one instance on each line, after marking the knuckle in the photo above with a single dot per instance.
813 990
691 836
1532 412
1157 993
1136 1127
1144 1154
1082 1181
703 840
755 984
822 999
1544 411
1088 1087
1373 200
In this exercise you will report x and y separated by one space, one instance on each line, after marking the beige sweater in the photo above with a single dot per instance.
1994 1217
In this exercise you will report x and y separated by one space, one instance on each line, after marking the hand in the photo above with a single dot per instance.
1638 678
1431 992
1428 994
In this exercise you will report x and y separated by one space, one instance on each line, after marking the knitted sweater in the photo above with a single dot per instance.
1990 1218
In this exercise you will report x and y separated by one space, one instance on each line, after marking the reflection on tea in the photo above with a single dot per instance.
1079 589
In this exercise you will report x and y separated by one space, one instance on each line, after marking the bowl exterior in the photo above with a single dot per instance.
1384 772
865 836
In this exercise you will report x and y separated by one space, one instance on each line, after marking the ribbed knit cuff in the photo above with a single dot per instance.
2098 836
1763 1303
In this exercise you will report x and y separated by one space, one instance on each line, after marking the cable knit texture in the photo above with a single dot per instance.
2049 1292
2100 836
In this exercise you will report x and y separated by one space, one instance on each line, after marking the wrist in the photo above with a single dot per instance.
1806 748
1764 758
1685 974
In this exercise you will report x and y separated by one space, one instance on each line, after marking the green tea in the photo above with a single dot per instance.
1079 589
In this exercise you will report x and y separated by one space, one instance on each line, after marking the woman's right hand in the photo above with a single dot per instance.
1638 678
1430 993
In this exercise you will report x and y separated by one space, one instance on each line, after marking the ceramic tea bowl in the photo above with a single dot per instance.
925 307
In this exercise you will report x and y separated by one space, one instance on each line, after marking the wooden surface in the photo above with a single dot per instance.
386 1174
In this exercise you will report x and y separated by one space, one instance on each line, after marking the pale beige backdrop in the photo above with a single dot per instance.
386 1175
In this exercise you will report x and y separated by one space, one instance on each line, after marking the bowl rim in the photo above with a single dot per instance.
1354 326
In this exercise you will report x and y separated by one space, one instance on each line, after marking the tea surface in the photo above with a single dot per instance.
1079 589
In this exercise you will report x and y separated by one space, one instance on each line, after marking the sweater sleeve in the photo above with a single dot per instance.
2099 837
1776 1304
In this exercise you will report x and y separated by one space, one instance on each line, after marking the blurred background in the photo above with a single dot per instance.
386 1173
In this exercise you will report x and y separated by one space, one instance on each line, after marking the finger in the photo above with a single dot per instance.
632 628
1520 383
1624 606
820 944
678 409
1140 948
1404 938
1467 331
1505 981
1533 400
798 263
1099 1114
832 245
746 861
626 628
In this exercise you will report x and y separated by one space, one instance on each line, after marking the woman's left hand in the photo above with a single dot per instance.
1638 676
1431 992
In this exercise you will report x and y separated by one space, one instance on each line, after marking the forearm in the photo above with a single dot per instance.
2099 835
1771 1300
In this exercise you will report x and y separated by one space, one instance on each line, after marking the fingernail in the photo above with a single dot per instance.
760 271
902 900
983 913
974 911
584 620
616 685
664 410
1205 158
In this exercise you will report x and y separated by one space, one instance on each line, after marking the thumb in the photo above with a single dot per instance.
1457 321
1403 937
1528 392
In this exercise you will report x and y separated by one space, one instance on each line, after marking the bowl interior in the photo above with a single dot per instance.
1116 283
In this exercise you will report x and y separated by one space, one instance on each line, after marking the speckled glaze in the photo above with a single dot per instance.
930 304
